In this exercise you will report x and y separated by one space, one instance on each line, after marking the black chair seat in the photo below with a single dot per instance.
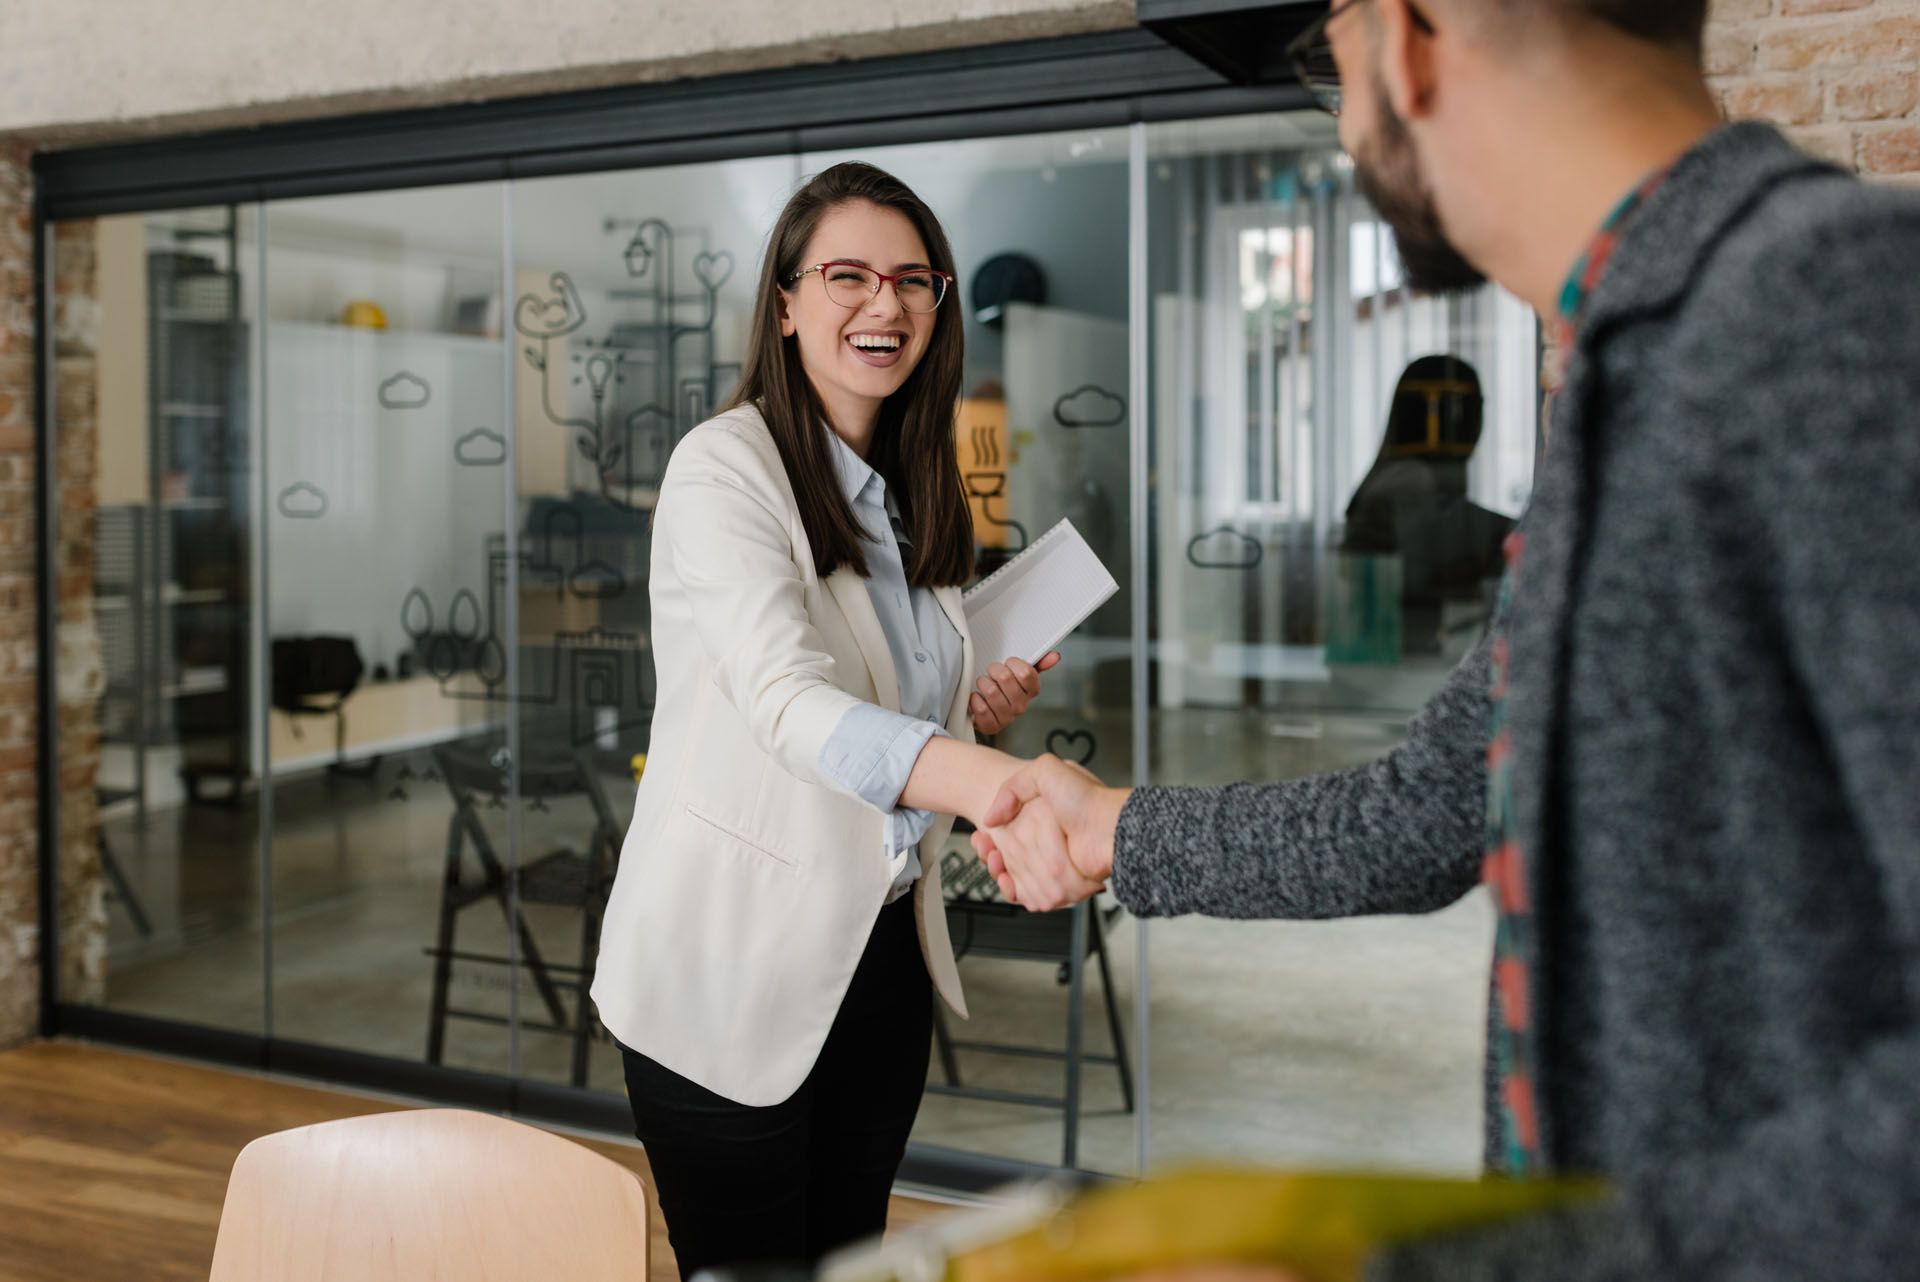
562 877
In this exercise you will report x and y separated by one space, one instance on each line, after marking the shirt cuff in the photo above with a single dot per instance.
872 752
909 826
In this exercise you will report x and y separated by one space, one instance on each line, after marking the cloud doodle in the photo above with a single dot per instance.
480 448
405 391
303 501
1090 406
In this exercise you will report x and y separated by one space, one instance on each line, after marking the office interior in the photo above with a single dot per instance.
371 481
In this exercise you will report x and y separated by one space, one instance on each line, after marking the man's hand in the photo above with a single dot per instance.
1065 854
1005 692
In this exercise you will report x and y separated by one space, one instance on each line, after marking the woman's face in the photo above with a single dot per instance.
858 356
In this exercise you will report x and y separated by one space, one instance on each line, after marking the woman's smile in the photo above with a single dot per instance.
878 347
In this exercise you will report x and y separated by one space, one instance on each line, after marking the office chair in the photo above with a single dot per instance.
982 924
312 677
573 878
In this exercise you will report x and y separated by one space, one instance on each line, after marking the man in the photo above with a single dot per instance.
1687 759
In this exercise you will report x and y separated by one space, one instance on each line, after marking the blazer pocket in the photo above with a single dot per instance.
734 834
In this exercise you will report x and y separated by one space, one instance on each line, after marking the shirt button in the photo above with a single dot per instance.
919 656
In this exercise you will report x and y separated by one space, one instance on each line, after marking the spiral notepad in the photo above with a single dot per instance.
1027 606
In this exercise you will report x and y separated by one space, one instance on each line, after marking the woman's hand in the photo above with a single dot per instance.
1005 692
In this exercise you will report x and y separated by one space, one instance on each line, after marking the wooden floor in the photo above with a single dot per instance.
113 1165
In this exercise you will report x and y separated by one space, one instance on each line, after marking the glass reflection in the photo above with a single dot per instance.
1336 462
153 349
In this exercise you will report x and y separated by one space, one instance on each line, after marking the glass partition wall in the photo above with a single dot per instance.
371 478
1335 463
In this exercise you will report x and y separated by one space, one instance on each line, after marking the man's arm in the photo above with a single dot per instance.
1403 834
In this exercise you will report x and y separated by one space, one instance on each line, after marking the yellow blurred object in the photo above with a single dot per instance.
1321 1227
362 314
639 765
980 435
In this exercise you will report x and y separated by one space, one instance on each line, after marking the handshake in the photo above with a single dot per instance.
1048 836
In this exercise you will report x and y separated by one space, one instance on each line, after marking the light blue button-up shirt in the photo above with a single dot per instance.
872 751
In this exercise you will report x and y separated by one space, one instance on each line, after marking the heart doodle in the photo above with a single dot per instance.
713 269
1059 741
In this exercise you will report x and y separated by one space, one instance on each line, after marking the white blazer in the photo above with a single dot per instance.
749 882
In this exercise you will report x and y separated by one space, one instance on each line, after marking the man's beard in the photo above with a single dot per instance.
1389 176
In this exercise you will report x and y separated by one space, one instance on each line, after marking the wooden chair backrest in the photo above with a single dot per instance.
429 1194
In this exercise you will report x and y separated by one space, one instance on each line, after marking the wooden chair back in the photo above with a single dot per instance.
429 1194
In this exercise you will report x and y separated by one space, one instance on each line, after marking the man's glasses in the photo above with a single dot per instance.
852 285
1312 55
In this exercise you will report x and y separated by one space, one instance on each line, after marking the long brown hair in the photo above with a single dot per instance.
913 447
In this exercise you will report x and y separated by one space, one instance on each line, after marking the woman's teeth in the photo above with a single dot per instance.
876 342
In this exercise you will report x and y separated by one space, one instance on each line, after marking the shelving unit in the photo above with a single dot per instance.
172 571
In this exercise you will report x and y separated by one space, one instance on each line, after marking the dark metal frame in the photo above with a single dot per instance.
1080 82
1034 86
1243 40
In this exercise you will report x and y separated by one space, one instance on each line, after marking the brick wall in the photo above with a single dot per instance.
82 906
79 674
19 847
1843 76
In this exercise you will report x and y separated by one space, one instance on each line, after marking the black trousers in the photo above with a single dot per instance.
789 1183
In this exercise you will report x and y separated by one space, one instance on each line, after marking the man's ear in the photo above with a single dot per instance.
1407 61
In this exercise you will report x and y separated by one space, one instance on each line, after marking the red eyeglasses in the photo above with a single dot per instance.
919 289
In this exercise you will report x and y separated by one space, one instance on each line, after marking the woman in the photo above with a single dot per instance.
776 928
1413 501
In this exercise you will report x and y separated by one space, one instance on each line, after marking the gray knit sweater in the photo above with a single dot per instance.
1715 696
